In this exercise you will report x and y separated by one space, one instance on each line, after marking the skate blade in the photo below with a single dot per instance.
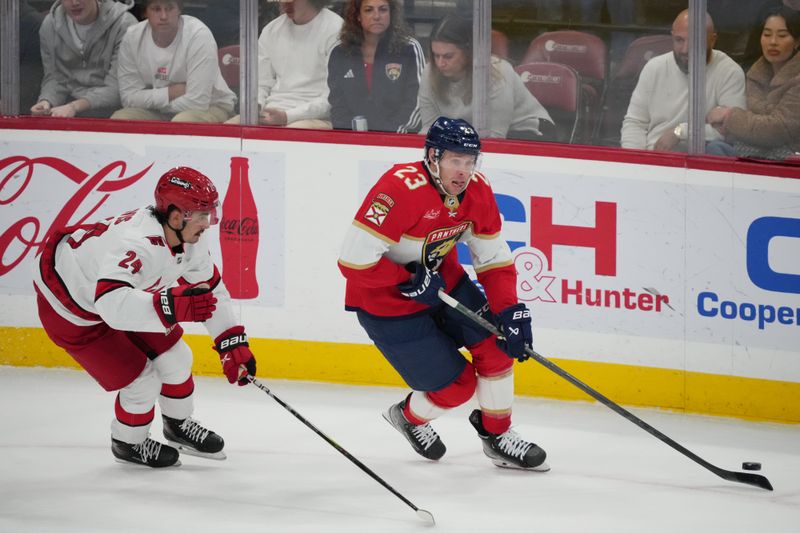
188 450
135 464
544 467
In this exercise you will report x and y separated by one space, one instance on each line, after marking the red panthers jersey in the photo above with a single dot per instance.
404 219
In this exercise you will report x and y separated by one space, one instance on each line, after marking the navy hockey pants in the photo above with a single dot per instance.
424 348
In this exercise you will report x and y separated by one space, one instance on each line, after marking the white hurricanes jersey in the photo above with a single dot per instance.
109 272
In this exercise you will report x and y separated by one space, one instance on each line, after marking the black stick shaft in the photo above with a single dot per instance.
420 512
740 477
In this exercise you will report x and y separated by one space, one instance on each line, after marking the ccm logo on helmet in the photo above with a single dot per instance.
519 315
180 183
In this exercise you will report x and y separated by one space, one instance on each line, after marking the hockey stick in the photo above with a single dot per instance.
740 477
421 513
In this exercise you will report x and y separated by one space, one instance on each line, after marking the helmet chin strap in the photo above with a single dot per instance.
178 247
437 179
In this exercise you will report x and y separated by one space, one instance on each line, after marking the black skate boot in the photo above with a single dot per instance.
509 450
423 438
148 453
192 438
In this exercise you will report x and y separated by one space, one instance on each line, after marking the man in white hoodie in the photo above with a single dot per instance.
293 52
169 70
79 40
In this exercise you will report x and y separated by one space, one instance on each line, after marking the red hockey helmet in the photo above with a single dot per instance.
188 190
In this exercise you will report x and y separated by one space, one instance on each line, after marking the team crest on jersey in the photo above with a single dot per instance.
440 242
376 212
393 71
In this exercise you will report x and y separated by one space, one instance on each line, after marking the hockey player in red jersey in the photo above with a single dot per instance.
399 252
113 295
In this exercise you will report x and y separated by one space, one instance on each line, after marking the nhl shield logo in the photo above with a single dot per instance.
393 71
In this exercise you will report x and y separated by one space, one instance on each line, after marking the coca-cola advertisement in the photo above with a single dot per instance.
238 233
46 186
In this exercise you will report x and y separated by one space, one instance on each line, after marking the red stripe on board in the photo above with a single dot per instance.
500 146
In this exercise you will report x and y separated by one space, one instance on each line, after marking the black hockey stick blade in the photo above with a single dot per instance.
427 516
748 478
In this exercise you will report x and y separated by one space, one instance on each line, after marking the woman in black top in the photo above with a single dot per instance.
374 70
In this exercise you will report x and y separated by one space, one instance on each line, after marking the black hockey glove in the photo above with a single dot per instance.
423 286
514 323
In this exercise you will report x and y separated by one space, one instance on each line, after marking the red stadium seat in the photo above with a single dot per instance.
558 88
500 44
584 52
229 65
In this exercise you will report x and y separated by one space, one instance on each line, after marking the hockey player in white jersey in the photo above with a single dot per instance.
113 295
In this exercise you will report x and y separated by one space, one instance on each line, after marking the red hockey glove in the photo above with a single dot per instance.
185 303
234 351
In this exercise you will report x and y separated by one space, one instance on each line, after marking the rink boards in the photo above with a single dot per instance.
659 280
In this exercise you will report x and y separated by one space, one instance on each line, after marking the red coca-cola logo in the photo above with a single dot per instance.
25 234
244 227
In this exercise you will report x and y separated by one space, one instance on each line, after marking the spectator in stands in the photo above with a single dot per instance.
770 126
752 51
375 69
446 88
79 40
659 107
293 53
169 70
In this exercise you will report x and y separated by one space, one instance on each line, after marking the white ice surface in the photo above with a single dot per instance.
57 473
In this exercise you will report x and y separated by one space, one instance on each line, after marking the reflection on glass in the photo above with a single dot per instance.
295 84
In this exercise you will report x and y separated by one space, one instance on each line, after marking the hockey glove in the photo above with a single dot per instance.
234 352
423 286
514 323
184 303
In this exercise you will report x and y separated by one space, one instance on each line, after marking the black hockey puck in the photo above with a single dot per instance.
751 466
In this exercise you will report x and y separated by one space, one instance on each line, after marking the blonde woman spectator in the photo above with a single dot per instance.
169 70
770 126
79 41
446 88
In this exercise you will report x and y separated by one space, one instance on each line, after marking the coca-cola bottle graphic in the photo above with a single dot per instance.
238 233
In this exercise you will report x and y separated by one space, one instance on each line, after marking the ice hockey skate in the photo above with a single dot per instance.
148 453
190 437
423 438
509 450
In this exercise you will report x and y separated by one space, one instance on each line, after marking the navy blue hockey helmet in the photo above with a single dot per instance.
454 134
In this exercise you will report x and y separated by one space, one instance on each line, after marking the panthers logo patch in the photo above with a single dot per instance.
393 71
441 242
